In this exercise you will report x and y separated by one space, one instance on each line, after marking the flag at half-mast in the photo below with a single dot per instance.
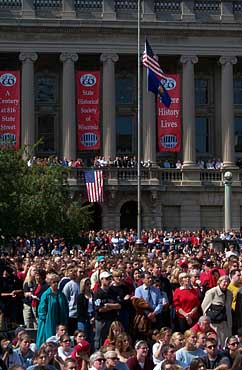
156 77
94 185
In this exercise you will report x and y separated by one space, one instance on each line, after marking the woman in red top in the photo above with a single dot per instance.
186 302
41 287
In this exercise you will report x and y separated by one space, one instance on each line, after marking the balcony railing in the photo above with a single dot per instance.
208 176
125 5
11 4
88 5
155 176
167 6
203 6
52 4
175 10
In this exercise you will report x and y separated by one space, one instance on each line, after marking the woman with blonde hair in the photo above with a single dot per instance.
177 340
186 354
24 352
86 310
201 340
29 286
174 279
186 302
163 337
123 347
115 329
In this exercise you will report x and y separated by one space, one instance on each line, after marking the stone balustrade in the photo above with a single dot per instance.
157 176
155 10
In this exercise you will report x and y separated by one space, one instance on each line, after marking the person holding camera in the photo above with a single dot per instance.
8 356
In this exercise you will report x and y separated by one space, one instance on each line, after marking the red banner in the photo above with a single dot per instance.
88 110
169 119
10 109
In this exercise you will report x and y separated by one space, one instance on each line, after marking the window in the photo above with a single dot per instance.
124 90
46 132
124 134
238 134
126 108
201 91
47 110
46 89
238 91
202 134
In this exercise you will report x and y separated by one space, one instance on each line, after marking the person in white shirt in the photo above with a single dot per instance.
65 349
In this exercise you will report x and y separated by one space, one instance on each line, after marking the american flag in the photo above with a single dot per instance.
155 75
149 61
94 184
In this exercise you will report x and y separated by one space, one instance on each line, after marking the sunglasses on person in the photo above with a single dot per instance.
211 346
100 360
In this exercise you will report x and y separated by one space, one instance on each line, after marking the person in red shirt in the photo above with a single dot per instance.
203 325
205 275
186 302
81 354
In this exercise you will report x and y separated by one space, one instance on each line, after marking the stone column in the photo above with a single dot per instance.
109 104
27 103
188 106
68 105
149 122
227 111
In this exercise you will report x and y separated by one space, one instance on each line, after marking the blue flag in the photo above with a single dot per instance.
156 77
155 86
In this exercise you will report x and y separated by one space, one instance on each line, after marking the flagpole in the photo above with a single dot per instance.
139 241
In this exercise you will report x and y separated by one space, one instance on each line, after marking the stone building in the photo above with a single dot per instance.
49 40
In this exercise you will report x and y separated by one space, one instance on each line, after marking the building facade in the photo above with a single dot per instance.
49 40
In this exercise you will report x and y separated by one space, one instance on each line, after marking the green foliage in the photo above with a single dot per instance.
36 201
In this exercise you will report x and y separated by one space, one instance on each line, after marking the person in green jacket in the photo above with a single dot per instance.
52 311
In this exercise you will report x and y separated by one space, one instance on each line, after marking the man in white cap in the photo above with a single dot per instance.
107 308
99 266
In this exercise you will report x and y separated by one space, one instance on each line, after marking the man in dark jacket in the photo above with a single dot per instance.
214 357
106 307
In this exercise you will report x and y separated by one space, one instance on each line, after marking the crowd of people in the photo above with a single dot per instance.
105 304
97 162
121 162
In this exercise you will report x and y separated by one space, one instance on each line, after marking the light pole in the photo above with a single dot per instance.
139 242
227 200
